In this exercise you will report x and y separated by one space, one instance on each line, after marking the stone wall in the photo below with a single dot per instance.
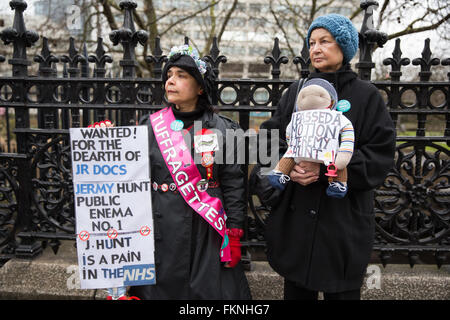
52 276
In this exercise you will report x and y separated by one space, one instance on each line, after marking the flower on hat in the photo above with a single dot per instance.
192 52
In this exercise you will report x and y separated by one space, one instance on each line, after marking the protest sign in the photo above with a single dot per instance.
113 209
314 135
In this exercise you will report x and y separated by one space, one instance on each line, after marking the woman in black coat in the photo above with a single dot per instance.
187 248
317 242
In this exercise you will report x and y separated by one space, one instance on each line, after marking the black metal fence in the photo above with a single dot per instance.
36 193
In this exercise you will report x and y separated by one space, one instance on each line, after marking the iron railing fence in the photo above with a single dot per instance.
36 194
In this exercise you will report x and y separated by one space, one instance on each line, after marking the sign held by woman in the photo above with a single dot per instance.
113 206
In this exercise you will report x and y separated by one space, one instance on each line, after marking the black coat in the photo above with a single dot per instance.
187 248
323 243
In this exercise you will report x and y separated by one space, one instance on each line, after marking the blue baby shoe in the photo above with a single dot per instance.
278 180
337 190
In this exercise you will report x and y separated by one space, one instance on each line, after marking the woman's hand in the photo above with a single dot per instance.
305 172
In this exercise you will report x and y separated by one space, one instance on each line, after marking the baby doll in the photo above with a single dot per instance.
319 94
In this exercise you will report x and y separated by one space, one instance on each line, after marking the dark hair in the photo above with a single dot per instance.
204 103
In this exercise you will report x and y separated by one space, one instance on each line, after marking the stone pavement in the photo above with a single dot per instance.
52 276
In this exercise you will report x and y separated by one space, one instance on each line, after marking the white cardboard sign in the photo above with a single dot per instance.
314 135
113 207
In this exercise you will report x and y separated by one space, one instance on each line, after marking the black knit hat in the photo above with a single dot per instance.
192 64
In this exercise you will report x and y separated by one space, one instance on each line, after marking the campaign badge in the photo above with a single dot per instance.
202 185
205 141
177 125
207 159
343 105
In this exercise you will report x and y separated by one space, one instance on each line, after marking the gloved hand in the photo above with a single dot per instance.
234 236
101 124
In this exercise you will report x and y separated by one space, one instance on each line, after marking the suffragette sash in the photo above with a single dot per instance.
185 174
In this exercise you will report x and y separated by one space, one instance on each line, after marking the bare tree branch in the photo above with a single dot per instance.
189 17
109 15
410 30
226 20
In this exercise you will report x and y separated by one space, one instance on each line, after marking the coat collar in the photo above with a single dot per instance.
209 120
339 79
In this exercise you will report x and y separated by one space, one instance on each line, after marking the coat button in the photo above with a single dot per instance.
312 213
157 214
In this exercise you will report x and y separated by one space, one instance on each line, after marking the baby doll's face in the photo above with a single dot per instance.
313 97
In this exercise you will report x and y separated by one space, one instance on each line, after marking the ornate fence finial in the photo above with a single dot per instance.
426 62
368 38
276 60
84 64
45 59
304 61
73 59
47 117
157 59
20 37
214 58
128 37
100 59
396 62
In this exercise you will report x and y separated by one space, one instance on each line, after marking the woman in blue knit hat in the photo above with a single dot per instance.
317 242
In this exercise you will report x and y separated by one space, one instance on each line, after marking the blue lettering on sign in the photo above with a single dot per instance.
93 188
107 169
138 275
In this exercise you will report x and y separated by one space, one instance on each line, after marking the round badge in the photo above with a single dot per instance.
343 105
202 185
177 125
164 187
207 159
155 186
172 187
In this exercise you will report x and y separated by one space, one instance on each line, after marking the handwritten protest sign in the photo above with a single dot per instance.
114 222
314 135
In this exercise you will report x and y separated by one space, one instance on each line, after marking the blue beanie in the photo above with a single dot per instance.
342 30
